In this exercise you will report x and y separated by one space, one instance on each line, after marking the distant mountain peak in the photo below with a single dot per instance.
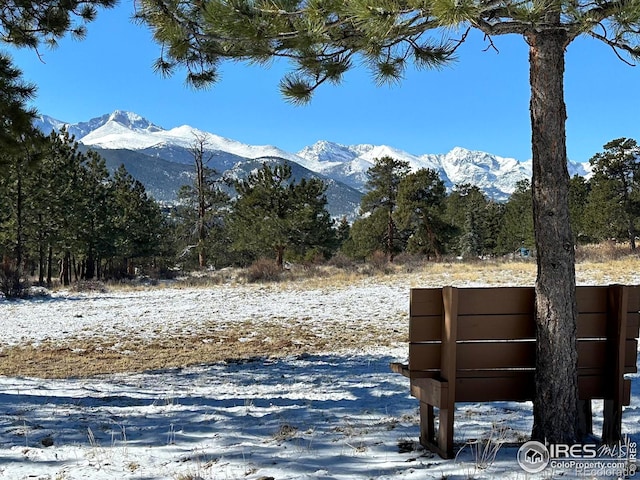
131 120
347 164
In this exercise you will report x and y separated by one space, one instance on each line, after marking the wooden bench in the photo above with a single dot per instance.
478 345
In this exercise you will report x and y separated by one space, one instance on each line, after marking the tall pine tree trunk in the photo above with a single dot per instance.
41 253
390 234
19 219
90 265
65 271
49 266
556 400
280 255
632 234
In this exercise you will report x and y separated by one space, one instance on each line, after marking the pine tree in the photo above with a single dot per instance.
618 167
324 39
315 233
137 221
579 189
516 235
421 198
383 181
17 137
274 214
343 230
468 213
28 23
604 216
67 200
368 235
495 215
15 116
96 207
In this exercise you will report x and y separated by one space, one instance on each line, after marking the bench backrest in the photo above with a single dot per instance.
485 339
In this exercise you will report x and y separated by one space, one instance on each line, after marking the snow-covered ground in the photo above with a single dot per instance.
338 414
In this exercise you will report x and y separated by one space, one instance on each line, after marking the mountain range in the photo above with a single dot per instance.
162 159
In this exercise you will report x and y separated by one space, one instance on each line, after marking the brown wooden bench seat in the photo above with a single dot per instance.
478 345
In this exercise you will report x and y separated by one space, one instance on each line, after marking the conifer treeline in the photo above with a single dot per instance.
65 216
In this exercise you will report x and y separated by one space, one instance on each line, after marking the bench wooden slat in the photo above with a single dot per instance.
425 328
496 327
592 354
495 301
516 388
594 325
424 356
521 388
484 355
595 353
633 303
511 327
597 387
483 389
592 299
425 302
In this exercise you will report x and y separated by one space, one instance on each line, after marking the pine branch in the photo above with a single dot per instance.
616 46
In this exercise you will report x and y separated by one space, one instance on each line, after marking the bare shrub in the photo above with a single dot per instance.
93 286
410 262
12 284
485 450
285 432
602 252
378 262
263 270
341 261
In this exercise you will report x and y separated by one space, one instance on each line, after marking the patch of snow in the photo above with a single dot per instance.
327 416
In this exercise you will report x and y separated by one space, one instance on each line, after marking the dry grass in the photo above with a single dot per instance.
282 337
242 341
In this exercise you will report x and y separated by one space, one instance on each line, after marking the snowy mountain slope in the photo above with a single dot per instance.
118 120
348 165
162 159
495 175
126 130
162 179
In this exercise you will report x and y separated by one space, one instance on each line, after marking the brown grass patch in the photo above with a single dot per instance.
279 337
89 357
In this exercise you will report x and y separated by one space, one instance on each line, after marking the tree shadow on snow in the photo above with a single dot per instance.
346 415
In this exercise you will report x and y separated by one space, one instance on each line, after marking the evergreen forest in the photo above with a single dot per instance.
65 217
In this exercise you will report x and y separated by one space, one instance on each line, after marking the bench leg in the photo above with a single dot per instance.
442 444
445 432
612 425
585 417
427 430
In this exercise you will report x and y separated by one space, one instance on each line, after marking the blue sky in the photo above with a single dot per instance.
480 103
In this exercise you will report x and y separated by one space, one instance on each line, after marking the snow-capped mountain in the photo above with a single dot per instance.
345 166
115 123
125 130
163 160
495 175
